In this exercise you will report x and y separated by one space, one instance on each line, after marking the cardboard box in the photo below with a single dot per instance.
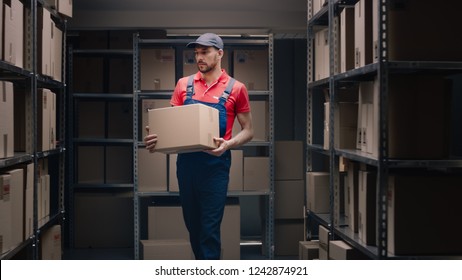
347 43
5 213
20 119
28 201
287 235
321 54
157 69
260 121
251 68
146 105
363 33
323 243
288 160
318 192
236 172
44 100
13 48
17 205
184 128
368 117
353 193
152 171
340 250
1 28
289 199
418 219
65 7
308 250
51 241
57 59
256 174
7 127
166 249
345 122
367 206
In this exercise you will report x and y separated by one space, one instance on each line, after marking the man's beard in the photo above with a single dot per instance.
207 68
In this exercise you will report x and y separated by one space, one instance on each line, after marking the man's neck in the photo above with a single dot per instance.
212 76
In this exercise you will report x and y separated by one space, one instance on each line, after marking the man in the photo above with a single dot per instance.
203 176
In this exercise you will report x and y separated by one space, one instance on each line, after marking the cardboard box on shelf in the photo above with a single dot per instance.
152 171
308 250
17 205
323 243
260 121
363 33
44 41
347 43
13 32
184 128
367 206
29 200
157 69
146 105
256 173
7 122
65 7
51 241
321 54
318 192
340 250
353 189
251 68
166 249
5 213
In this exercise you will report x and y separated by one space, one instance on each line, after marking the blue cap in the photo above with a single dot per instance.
208 40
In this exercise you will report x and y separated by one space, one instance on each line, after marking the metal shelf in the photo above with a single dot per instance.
106 96
101 186
17 159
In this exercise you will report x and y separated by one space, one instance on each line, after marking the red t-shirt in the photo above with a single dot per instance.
238 100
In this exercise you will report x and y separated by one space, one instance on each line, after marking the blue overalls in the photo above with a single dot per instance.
203 182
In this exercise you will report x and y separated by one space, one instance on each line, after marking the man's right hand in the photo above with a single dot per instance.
150 141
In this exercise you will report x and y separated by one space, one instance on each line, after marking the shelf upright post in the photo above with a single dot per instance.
382 176
136 199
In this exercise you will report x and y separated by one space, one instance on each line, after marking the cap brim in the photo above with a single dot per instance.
194 44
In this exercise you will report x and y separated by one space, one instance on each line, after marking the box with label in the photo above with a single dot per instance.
166 249
13 32
184 128
157 69
50 241
318 192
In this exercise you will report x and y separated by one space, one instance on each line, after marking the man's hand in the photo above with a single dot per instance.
150 141
222 146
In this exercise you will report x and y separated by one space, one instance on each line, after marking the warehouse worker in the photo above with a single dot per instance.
203 176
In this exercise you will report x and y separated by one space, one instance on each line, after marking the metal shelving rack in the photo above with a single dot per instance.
138 94
328 17
31 80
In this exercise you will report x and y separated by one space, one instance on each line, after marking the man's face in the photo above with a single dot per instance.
207 58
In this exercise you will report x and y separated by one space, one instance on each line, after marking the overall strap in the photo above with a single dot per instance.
190 87
224 96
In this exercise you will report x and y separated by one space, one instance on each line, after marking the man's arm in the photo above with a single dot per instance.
244 136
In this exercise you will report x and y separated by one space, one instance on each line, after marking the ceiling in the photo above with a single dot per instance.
283 17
